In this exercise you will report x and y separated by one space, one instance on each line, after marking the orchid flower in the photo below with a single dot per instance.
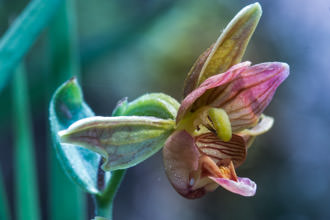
220 116
206 137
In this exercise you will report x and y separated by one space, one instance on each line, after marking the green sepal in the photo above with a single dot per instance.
228 50
81 165
123 141
153 104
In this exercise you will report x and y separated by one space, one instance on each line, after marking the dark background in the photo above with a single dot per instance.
128 48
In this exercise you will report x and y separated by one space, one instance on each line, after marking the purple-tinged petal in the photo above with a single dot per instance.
243 94
210 145
252 93
243 187
180 157
212 82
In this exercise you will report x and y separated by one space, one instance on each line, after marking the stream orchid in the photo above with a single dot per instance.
206 137
215 124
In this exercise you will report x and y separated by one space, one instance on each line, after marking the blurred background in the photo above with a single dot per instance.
128 48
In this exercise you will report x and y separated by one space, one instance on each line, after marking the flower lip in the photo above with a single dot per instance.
244 186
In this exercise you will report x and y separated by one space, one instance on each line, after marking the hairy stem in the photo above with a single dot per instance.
104 202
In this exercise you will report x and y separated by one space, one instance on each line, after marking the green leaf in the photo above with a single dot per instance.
153 104
27 196
123 141
81 165
228 50
23 33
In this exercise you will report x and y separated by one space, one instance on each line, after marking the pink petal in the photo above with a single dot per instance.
212 82
244 186
251 93
180 157
243 92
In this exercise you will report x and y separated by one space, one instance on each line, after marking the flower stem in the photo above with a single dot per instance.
104 202
67 201
4 209
27 198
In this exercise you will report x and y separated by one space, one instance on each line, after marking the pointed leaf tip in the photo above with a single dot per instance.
81 165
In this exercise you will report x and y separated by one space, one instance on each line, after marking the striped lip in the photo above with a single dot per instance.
196 165
210 145
243 91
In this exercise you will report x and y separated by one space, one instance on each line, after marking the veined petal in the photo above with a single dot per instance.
249 135
210 145
180 157
243 186
250 94
265 124
212 82
243 92
230 46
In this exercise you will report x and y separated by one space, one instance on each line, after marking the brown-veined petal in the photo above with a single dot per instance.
180 157
212 82
251 93
249 135
210 145
265 124
244 97
228 50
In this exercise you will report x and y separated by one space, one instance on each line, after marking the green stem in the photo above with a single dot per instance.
104 202
67 201
4 210
27 198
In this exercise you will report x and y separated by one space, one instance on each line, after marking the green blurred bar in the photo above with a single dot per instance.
67 201
4 210
26 189
22 34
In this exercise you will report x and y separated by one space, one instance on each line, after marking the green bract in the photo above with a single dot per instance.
81 165
153 104
138 130
123 141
